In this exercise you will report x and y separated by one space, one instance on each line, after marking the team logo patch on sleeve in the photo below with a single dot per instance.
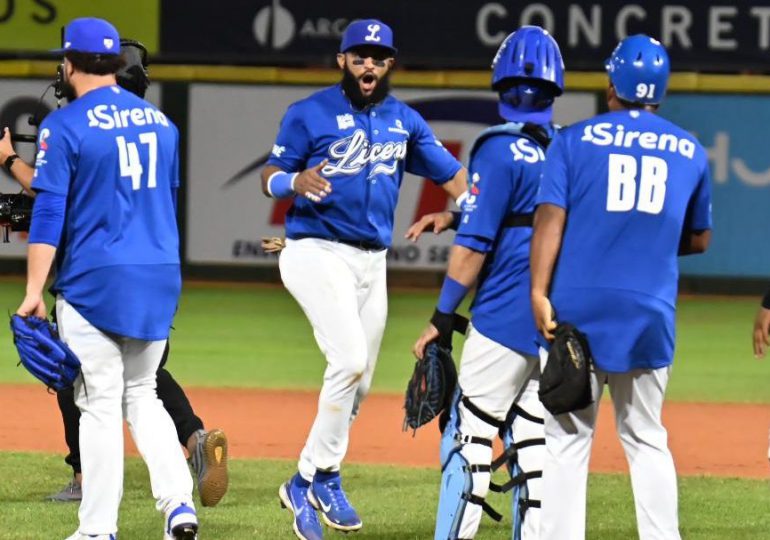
470 203
43 147
345 121
44 134
278 150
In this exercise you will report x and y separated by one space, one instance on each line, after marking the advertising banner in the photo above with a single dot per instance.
233 128
731 127
707 35
35 25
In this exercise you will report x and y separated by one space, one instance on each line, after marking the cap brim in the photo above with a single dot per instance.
62 51
392 50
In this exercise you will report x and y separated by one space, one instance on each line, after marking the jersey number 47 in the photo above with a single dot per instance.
131 165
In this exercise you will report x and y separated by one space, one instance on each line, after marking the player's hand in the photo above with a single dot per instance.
309 183
761 332
429 334
6 148
33 304
544 316
438 221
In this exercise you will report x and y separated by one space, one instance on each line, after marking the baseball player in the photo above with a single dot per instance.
498 376
341 153
106 177
621 195
207 449
762 332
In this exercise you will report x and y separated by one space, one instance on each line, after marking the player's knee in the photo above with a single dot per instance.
353 369
651 436
349 358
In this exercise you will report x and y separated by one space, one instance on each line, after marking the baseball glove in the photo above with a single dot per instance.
41 351
431 387
273 244
565 383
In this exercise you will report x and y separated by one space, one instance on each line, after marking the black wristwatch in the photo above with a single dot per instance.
9 161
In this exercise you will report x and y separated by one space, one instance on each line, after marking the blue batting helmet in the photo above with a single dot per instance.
639 69
528 73
529 53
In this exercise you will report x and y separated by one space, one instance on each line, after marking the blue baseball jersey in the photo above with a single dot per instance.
115 158
368 152
504 170
631 182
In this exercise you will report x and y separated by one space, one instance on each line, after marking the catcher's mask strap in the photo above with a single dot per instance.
481 415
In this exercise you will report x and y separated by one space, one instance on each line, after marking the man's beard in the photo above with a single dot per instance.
352 89
68 91
62 87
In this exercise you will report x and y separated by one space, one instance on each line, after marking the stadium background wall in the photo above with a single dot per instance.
229 115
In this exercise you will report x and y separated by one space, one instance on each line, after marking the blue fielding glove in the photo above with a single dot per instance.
43 353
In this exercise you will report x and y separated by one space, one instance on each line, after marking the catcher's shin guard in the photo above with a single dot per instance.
524 441
466 467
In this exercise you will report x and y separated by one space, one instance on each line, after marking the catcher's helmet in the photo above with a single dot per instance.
529 53
638 69
528 73
134 76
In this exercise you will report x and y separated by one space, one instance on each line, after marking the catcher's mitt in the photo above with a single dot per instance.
431 387
565 384
41 351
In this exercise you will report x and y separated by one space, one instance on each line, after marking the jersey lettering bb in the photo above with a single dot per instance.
630 182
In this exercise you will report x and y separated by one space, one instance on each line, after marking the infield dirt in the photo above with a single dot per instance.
705 438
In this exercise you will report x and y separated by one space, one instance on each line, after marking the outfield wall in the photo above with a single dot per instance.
230 116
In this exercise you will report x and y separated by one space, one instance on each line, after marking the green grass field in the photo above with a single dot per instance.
396 504
248 336
237 336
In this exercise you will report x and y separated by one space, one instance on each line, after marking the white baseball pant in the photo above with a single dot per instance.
492 376
118 381
637 397
343 292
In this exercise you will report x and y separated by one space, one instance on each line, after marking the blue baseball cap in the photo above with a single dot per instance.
368 32
90 35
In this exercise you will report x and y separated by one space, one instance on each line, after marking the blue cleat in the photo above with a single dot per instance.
326 495
294 496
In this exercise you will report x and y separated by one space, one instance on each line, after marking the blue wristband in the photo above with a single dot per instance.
452 293
281 184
